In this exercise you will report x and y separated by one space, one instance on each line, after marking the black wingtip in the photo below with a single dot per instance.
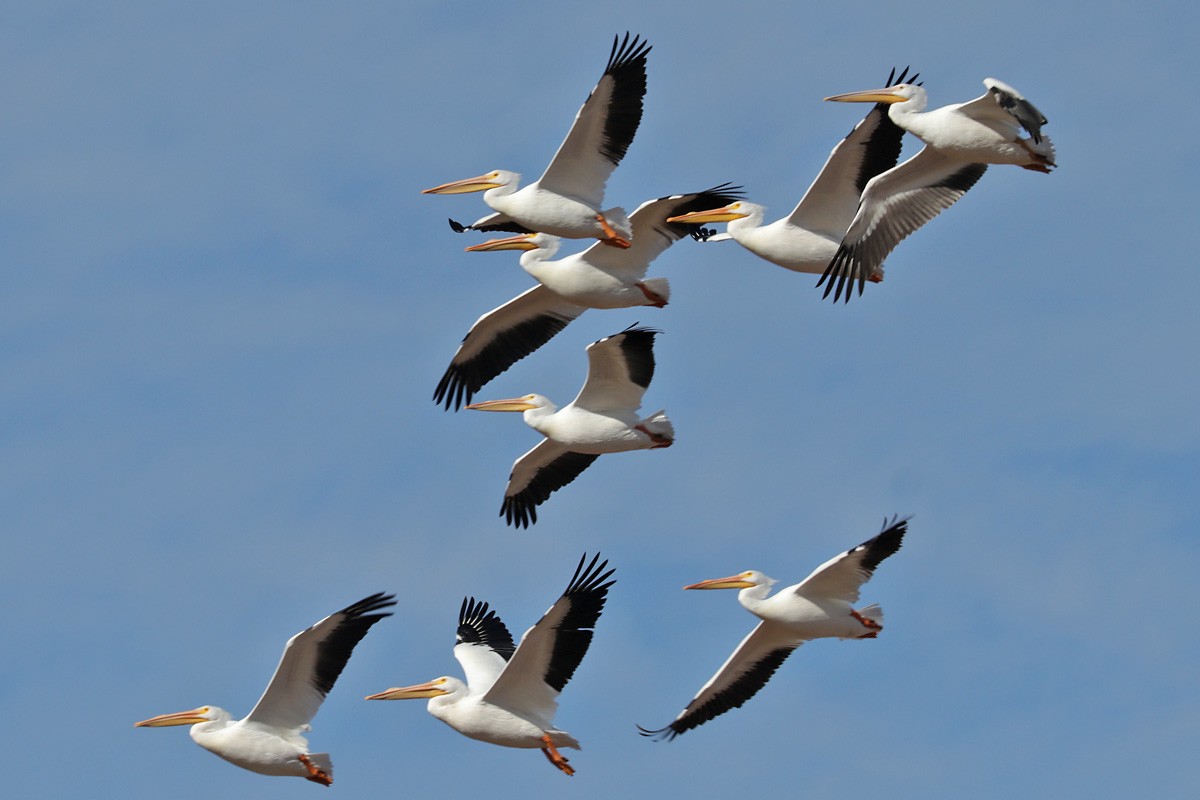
666 734
457 226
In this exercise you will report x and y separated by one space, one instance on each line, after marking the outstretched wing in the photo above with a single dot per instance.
603 128
843 575
620 368
535 476
739 678
872 147
483 644
894 204
550 651
500 338
312 661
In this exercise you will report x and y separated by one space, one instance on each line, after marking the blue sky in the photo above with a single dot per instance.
225 307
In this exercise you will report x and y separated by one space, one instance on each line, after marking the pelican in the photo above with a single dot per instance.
601 419
510 695
270 740
960 141
820 606
599 277
566 200
808 238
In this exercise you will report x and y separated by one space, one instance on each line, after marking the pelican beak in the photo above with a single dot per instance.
726 214
178 718
512 404
732 582
869 96
522 241
477 184
428 689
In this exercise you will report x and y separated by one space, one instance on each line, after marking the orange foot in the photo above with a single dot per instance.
315 773
658 439
612 238
656 300
876 279
871 635
867 623
556 758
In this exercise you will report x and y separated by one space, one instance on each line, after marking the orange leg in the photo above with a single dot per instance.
656 300
658 439
612 237
556 758
315 773
867 623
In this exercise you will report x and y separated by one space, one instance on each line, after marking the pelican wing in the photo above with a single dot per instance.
652 234
551 650
843 575
535 476
483 644
491 223
894 204
502 337
872 147
603 128
620 368
1009 99
739 678
312 661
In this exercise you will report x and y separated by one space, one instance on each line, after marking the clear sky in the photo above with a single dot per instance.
225 306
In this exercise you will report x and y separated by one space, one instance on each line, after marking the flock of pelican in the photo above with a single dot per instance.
858 209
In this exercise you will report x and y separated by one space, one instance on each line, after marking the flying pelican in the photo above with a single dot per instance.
808 238
270 740
601 419
819 606
960 141
566 200
510 695
599 277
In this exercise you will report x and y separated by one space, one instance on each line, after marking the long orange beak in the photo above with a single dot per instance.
868 96
522 241
178 718
732 582
725 214
427 689
511 404
476 184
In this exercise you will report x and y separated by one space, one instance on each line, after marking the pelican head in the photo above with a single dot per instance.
192 717
434 688
495 179
527 403
900 93
743 580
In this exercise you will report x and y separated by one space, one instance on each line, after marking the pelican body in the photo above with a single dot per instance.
961 140
270 739
565 201
820 606
511 693
598 277
806 239
601 419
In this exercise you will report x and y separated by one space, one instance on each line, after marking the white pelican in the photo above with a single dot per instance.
566 200
270 740
599 277
510 695
960 141
819 606
808 238
601 419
